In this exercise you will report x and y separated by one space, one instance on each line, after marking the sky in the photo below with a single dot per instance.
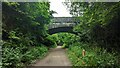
56 5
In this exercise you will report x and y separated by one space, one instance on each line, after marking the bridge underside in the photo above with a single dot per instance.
62 24
61 29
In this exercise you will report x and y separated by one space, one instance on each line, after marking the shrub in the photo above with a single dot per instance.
15 57
94 56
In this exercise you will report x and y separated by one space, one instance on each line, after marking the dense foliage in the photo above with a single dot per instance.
94 55
25 38
99 22
64 39
98 31
24 30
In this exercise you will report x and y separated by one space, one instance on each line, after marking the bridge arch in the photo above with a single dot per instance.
61 29
62 24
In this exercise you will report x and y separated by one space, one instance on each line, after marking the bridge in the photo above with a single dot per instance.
62 24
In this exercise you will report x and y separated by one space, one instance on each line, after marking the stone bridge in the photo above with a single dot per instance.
62 24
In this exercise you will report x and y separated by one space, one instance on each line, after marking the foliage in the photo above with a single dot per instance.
34 53
99 22
95 56
49 42
20 57
64 39
99 28
25 36
24 30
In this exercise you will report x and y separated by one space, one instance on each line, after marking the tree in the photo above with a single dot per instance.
99 22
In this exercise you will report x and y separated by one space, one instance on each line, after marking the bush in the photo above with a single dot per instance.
49 43
34 53
12 57
95 56
15 57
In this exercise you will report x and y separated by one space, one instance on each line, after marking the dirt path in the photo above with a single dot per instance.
56 57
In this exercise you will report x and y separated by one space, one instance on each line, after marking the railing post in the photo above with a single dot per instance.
83 52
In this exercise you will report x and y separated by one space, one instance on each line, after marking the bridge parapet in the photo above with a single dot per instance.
65 19
63 22
56 25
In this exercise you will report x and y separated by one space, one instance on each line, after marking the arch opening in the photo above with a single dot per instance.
61 29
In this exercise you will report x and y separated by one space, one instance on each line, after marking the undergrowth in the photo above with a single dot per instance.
94 56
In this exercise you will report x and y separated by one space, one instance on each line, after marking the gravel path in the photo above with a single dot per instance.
56 57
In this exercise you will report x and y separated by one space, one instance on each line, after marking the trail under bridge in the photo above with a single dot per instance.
56 57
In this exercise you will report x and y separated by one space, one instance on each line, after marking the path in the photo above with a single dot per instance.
56 57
